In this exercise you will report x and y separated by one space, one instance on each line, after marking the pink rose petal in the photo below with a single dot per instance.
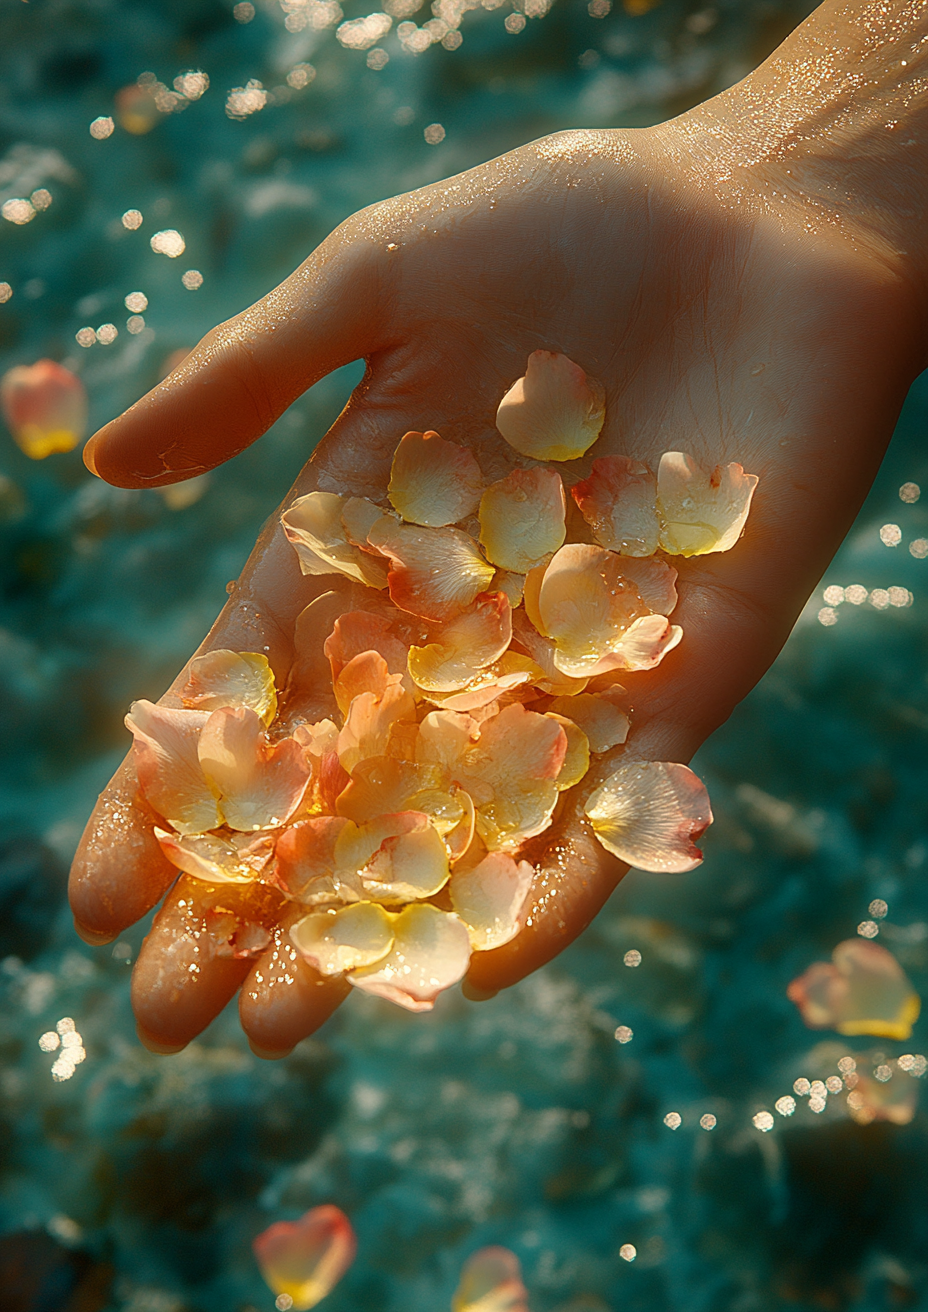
45 407
434 482
491 1281
313 527
260 786
360 631
218 858
371 722
231 678
650 814
434 572
489 899
862 990
701 512
466 645
619 502
555 412
522 519
305 1259
168 768
305 866
431 951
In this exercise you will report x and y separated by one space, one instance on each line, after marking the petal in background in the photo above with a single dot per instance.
434 572
598 715
305 1259
469 643
491 1281
336 941
169 773
522 518
555 412
45 407
489 899
701 512
862 990
650 813
434 482
619 502
218 858
358 518
893 1099
260 786
431 951
313 526
231 678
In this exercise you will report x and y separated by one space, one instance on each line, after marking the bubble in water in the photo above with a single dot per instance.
137 302
434 134
514 23
827 616
900 597
41 198
628 1252
763 1121
300 76
890 535
85 336
673 1120
169 243
192 279
708 1122
879 598
191 84
377 59
243 12
6 291
919 548
856 594
632 958
785 1106
833 596
101 128
17 210
132 219
624 1034
135 324
452 40
909 493
801 1086
49 1041
868 929
878 910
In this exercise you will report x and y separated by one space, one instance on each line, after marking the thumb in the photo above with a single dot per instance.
244 373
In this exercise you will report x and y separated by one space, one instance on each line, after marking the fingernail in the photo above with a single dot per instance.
88 456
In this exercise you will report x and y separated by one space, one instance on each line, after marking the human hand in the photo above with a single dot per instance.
726 318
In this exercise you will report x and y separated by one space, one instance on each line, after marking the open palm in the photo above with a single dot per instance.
719 323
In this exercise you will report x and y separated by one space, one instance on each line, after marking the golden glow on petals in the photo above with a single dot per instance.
305 865
522 519
431 951
577 758
434 572
511 584
862 990
701 512
470 643
542 652
317 739
360 631
167 765
371 721
459 839
444 736
434 482
511 671
356 845
231 678
407 868
217 858
585 606
304 1260
491 1281
644 644
313 527
386 785
366 672
650 814
555 412
603 722
489 899
336 941
260 786
45 407
619 502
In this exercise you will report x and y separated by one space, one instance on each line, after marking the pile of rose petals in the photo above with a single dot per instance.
474 668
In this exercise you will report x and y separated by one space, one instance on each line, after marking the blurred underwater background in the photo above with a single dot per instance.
626 1095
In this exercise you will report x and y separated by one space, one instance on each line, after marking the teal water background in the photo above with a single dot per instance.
138 1184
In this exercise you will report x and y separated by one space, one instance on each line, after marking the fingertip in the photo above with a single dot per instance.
88 455
91 936
475 994
269 1054
157 1045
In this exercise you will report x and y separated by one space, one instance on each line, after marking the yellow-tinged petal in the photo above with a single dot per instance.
491 1281
469 643
434 482
336 941
358 518
313 527
522 518
619 502
601 719
371 721
701 512
45 407
385 785
643 645
555 412
434 572
356 845
260 786
511 584
577 758
655 581
164 751
431 951
542 652
317 739
218 858
489 899
304 1260
231 678
585 605
407 868
359 631
459 839
305 865
511 671
862 990
650 814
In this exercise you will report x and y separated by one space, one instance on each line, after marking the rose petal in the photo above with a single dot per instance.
864 991
45 407
585 605
356 845
431 951
489 899
604 724
491 1281
217 858
655 581
522 518
459 839
305 867
371 722
542 652
231 678
619 502
317 739
336 941
434 482
435 572
384 785
260 786
360 631
511 584
512 670
650 813
474 640
643 646
358 518
701 512
577 758
871 1100
366 672
165 755
555 412
304 1260
313 527
407 868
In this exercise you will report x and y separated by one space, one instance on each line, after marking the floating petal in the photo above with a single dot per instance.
471 642
45 407
336 941
435 572
231 678
434 482
431 951
168 768
489 899
522 518
555 412
260 786
217 858
894 1100
371 722
491 1281
863 990
619 502
701 512
577 758
313 526
304 1260
650 814
600 718
305 867
407 868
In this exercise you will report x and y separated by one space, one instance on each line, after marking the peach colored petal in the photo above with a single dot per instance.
317 739
407 868
366 672
371 721
305 866
489 899
304 1260
585 606
863 990
360 631
644 644
45 407
260 786
577 758
469 643
491 1281
512 670
313 527
522 518
650 814
619 502
164 751
435 572
531 589
231 678
555 412
218 858
655 581
511 584
701 512
434 482
357 845
336 941
542 652
600 718
431 951
385 785
358 518
232 937
459 839
444 736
